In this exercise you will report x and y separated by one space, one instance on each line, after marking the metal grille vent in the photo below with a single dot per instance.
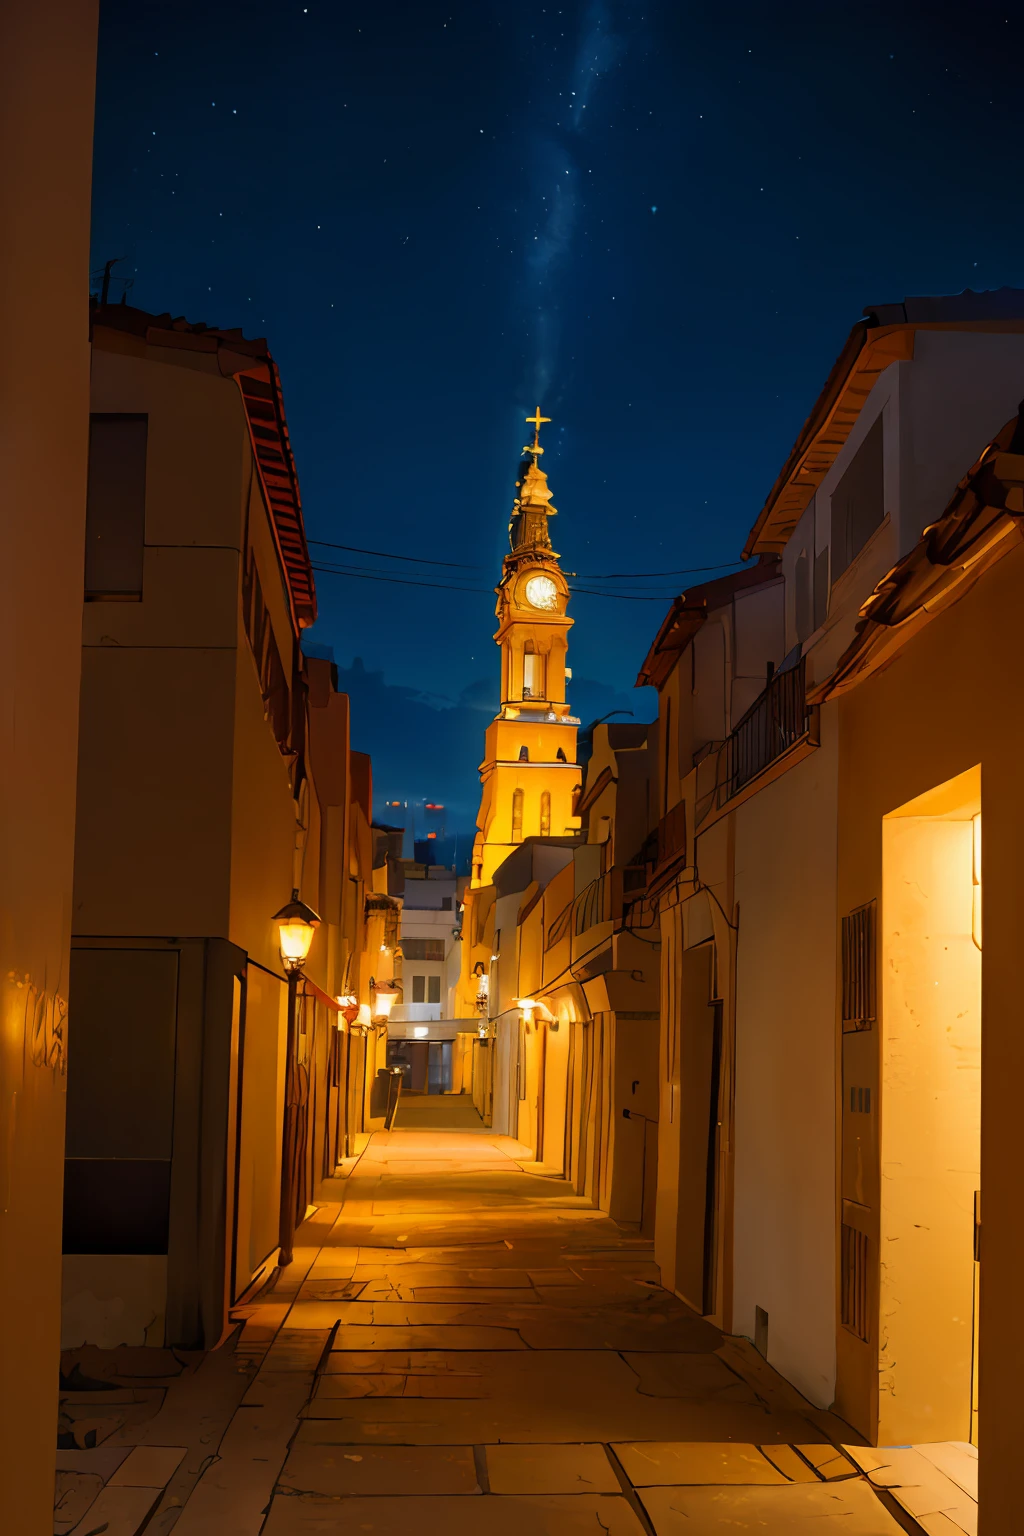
854 1281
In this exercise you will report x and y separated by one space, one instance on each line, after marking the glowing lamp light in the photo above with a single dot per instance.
420 1031
385 996
296 924
348 1009
364 1016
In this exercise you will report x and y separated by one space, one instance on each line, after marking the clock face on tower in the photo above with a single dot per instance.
541 592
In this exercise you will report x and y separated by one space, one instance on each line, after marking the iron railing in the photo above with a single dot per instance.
773 723
672 833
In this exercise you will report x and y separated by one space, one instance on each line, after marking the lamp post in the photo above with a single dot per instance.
296 924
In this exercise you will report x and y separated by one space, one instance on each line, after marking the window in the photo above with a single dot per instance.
115 514
858 501
859 968
433 989
419 989
524 754
517 815
545 813
423 949
804 596
533 676
446 906
273 682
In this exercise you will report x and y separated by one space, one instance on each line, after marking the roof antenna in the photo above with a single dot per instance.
107 268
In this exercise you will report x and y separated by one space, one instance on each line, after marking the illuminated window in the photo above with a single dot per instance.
517 816
545 813
533 676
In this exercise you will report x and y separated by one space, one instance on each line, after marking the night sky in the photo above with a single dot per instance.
658 221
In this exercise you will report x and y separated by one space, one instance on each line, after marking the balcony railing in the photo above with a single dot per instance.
773 723
672 833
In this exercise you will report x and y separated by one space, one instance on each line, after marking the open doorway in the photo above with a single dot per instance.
930 1114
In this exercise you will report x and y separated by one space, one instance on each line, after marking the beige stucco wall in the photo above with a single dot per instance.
47 77
785 1109
950 702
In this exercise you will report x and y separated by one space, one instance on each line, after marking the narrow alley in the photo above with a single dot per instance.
462 1345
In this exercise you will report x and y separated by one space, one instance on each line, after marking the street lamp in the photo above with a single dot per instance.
296 924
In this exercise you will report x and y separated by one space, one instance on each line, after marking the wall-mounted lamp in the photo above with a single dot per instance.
385 995
348 1009
296 925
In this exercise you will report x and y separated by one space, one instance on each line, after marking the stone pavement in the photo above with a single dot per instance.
463 1346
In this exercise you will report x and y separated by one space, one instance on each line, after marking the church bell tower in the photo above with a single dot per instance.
529 773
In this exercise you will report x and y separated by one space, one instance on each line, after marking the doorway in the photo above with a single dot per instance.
426 1065
930 1114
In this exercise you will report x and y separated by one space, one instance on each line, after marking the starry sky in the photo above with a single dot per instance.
657 220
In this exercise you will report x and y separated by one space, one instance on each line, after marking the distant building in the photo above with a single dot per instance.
423 1029
215 776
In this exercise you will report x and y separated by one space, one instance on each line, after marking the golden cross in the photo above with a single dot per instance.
536 422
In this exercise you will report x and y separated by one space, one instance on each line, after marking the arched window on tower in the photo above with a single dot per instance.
560 755
517 815
533 673
545 813
524 754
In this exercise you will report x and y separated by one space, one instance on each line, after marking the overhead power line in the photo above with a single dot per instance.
439 586
693 570
384 554
455 565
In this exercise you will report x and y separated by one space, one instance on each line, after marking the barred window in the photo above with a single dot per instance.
859 989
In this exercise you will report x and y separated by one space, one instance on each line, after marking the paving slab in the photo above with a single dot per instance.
117 1512
148 1466
550 1469
798 1509
919 1486
389 1470
827 1461
428 1336
647 1463
73 1494
491 1515
790 1464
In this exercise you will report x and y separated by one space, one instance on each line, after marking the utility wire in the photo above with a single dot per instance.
384 554
693 570
455 565
439 586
